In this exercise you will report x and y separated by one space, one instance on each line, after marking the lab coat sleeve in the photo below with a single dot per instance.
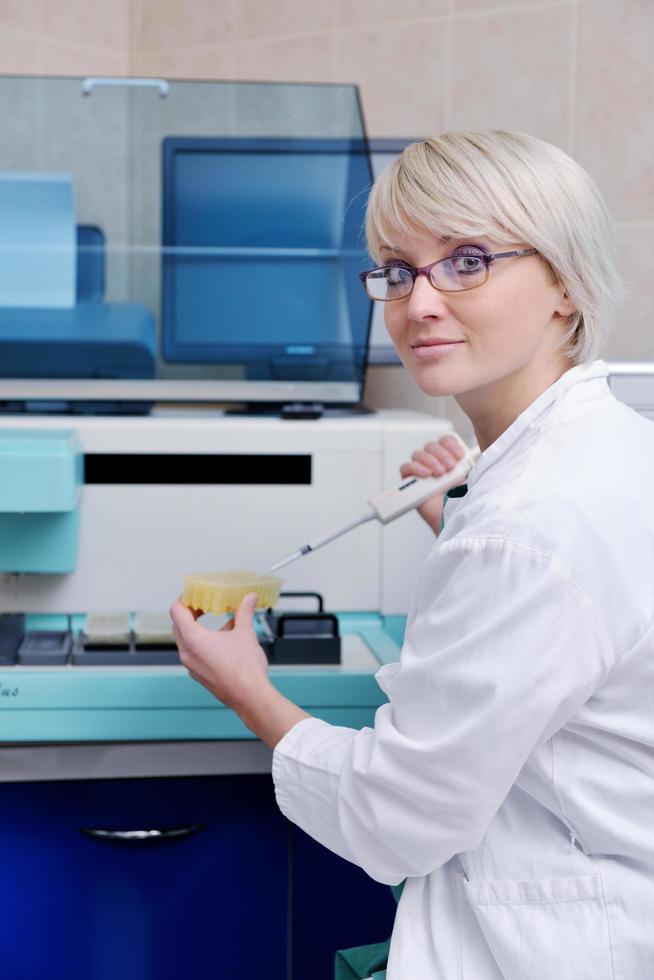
503 648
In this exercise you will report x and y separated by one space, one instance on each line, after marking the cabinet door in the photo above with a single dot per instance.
210 905
335 906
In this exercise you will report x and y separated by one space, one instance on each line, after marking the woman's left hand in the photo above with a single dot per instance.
229 662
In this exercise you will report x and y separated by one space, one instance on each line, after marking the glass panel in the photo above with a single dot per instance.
182 232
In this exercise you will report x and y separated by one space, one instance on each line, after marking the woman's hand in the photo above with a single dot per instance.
230 663
434 459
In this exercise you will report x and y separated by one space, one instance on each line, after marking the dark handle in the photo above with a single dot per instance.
303 595
140 836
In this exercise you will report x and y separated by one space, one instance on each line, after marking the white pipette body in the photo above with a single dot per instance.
407 495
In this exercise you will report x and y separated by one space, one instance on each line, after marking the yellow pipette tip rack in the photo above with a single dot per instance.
222 592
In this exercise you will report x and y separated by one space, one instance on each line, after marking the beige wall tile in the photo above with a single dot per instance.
633 335
511 70
95 23
309 58
261 18
471 6
59 58
217 61
20 54
183 23
402 76
134 31
20 15
615 93
374 13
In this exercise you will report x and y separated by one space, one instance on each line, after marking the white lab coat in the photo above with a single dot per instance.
510 778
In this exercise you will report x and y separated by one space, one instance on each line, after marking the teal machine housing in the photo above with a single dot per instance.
78 704
41 477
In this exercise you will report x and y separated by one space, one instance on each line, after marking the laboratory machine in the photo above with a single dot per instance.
183 347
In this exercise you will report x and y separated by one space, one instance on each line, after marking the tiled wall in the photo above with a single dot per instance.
64 37
579 73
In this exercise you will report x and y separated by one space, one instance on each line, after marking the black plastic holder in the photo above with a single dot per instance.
303 637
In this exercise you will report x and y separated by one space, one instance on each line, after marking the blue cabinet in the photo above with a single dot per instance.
245 897
335 906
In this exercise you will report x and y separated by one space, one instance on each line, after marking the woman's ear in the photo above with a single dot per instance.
565 307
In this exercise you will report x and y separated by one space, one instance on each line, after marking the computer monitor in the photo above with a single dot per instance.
262 245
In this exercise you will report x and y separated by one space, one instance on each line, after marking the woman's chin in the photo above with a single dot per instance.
438 374
437 384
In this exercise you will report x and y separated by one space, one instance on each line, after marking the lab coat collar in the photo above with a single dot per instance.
582 372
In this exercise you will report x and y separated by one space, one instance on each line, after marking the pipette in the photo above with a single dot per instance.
407 495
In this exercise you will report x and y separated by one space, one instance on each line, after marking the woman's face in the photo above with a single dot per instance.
494 331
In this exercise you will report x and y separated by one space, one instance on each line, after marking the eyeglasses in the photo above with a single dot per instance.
464 270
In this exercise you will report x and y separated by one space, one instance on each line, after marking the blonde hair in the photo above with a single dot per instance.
513 188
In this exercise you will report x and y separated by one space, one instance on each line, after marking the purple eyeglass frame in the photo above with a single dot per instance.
425 270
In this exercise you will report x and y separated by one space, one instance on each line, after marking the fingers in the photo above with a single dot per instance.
245 612
450 445
184 621
178 641
181 615
447 450
435 459
414 469
186 630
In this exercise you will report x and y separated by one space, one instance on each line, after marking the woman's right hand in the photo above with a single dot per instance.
434 459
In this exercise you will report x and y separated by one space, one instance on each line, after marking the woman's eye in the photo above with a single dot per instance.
467 262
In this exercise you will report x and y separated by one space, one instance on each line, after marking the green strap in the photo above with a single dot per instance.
362 962
397 890
459 491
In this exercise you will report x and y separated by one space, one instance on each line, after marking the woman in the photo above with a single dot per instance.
510 778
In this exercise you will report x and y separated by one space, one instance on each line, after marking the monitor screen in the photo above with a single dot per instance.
262 246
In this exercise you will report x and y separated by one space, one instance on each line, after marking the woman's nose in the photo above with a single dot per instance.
425 301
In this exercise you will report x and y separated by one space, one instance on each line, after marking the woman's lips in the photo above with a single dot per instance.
434 349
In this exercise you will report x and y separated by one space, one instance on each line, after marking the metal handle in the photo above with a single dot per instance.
90 83
152 834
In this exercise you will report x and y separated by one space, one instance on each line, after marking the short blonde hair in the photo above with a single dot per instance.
514 188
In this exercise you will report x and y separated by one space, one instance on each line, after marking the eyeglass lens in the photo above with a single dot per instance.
452 275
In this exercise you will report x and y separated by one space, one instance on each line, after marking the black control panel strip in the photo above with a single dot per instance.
197 468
